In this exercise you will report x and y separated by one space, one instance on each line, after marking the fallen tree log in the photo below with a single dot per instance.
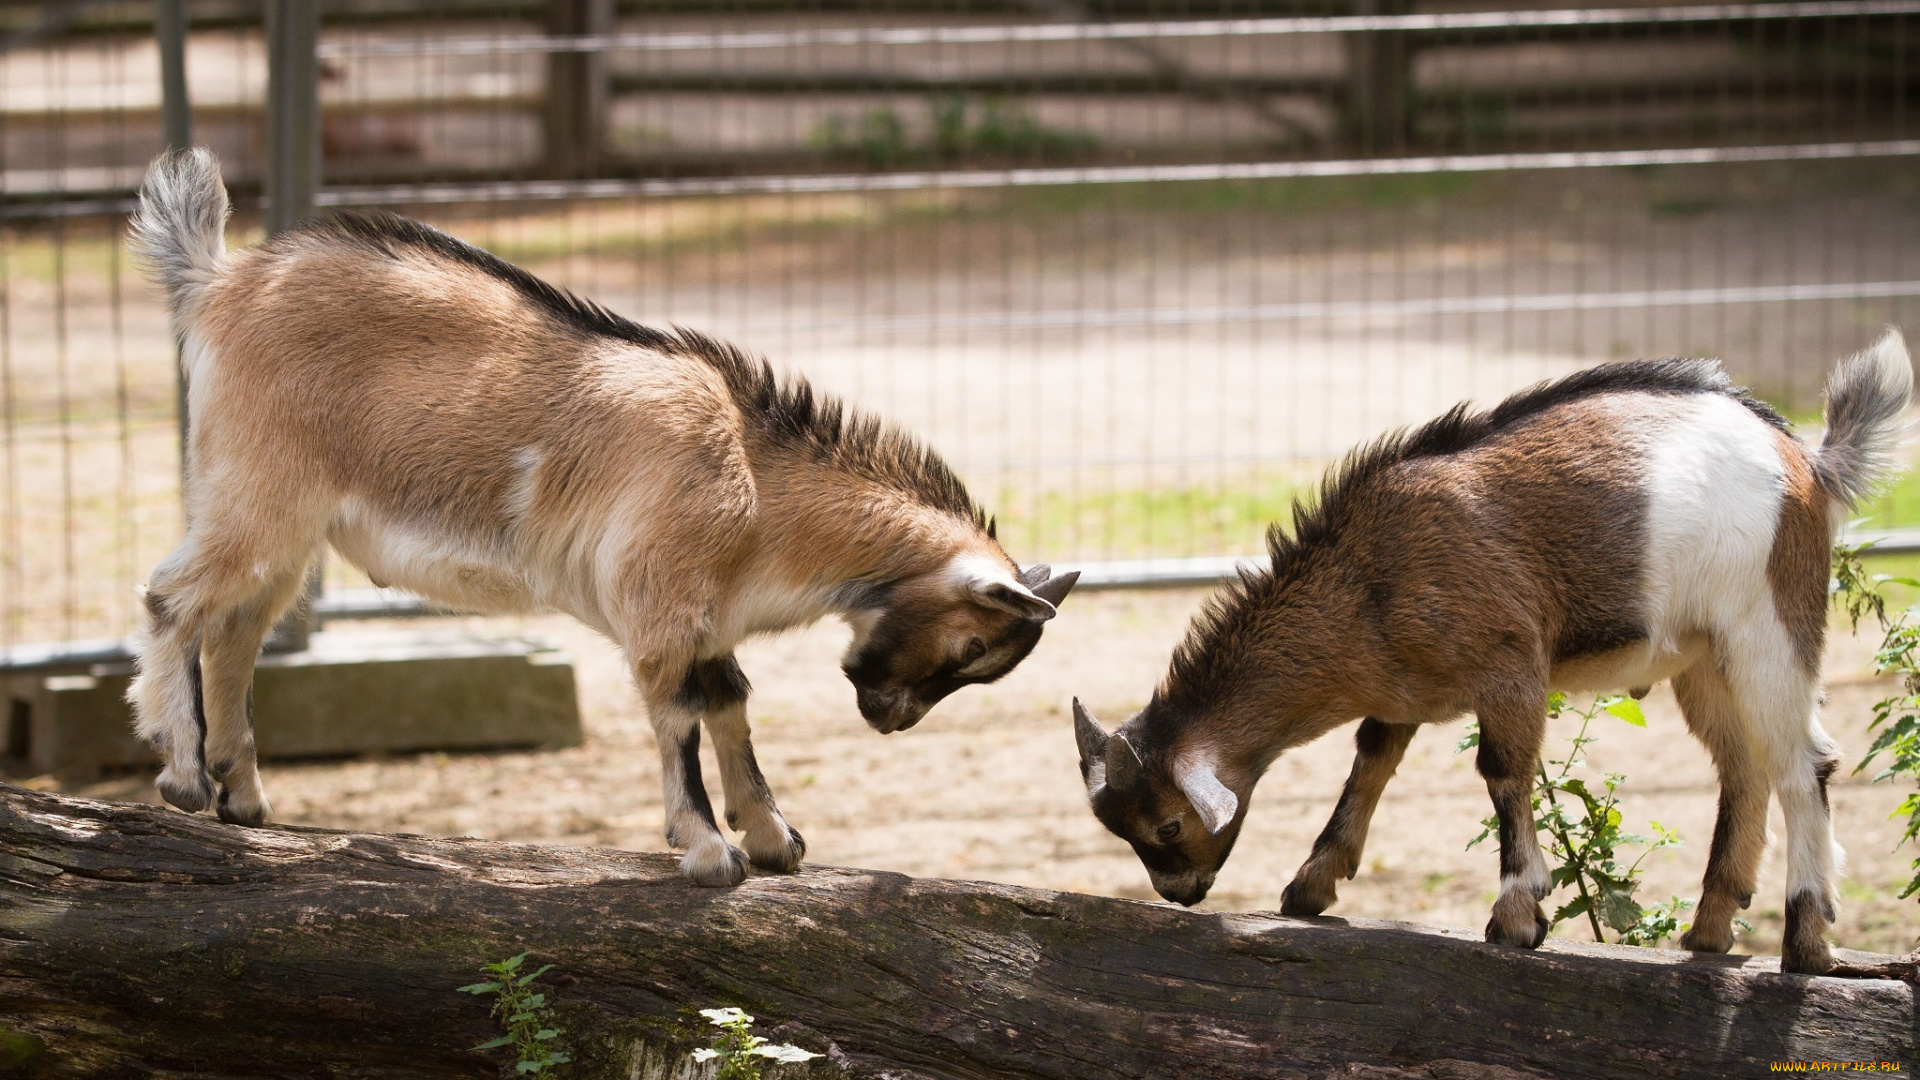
137 941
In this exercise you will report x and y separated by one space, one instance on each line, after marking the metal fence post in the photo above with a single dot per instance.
293 179
176 123
1378 81
176 114
293 111
575 120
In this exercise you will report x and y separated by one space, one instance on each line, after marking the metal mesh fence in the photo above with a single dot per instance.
1140 269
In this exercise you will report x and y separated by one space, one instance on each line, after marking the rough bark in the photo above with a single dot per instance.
136 941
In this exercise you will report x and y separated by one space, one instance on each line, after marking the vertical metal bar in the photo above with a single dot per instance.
176 115
575 120
293 111
1377 81
293 179
176 123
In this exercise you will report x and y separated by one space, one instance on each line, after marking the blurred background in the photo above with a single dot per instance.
1140 269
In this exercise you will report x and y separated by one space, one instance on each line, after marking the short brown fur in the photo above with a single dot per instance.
1475 563
461 429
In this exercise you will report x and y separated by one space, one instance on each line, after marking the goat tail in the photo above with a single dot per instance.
177 233
1866 406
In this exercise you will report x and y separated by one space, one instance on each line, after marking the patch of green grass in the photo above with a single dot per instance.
66 250
1898 506
1231 518
1133 523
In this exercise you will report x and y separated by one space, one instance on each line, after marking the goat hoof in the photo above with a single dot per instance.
192 794
1806 961
1699 939
781 854
251 813
1805 950
716 864
1518 921
1302 899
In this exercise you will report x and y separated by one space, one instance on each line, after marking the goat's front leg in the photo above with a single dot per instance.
1336 854
771 843
1510 735
675 714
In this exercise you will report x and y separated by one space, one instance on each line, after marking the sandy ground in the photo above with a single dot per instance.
986 787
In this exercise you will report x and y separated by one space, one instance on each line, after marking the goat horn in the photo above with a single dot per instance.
1211 799
1123 763
1055 589
1087 733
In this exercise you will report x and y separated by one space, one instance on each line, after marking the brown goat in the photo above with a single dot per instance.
457 427
1627 524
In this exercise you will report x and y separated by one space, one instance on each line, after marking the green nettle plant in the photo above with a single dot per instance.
1582 834
741 1053
522 1013
1896 717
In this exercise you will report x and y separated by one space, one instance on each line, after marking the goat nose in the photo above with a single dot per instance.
1185 891
873 704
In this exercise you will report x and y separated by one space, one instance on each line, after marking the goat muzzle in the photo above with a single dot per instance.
888 711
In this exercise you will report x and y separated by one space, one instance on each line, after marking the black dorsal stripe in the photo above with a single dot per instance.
787 411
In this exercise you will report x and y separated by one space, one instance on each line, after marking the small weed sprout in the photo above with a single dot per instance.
741 1053
522 1013
1896 717
1583 834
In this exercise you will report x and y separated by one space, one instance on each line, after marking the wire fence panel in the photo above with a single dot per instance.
1141 270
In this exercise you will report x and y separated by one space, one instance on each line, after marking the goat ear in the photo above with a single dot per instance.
1011 597
1086 732
1123 763
1055 590
1211 799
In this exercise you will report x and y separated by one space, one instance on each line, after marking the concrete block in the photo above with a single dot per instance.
351 692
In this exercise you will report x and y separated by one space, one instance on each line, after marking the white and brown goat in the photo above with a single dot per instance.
1627 524
457 427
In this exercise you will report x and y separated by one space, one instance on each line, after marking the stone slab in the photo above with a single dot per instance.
351 692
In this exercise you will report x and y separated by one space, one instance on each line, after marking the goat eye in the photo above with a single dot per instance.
975 650
1169 832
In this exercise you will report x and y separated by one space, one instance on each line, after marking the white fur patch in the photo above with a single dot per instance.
526 483
1714 483
770 606
440 566
1535 879
988 582
969 568
861 622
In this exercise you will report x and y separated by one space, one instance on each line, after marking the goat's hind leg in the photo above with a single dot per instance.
1336 854
771 843
208 604
1777 693
674 705
166 691
1740 833
192 598
227 654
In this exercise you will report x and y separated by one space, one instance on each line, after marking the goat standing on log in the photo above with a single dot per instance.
1627 524
457 427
